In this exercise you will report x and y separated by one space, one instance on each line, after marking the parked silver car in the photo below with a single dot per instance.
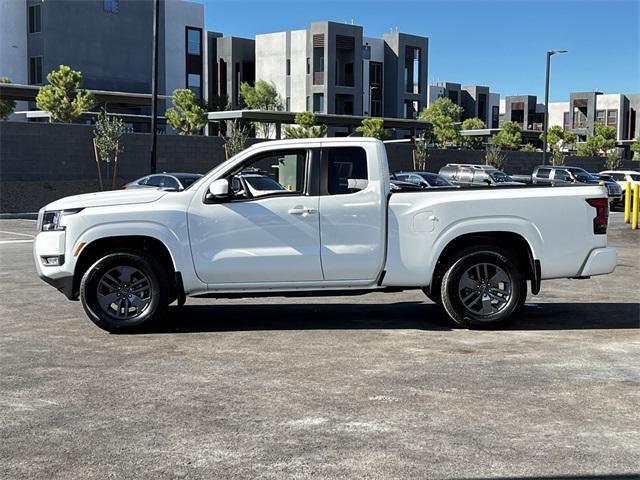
167 181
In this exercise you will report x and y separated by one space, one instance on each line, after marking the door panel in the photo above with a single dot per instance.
257 241
352 215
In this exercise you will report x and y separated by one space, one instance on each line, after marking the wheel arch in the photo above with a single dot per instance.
511 241
97 248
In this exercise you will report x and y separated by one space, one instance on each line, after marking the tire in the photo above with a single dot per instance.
124 291
483 287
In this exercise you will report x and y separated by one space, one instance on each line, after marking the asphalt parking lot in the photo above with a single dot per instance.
379 386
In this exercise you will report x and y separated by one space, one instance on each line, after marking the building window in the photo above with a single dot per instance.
565 121
35 25
111 6
35 70
308 65
288 104
194 45
376 108
318 102
194 83
288 67
308 104
600 114
495 116
375 73
412 69
612 117
411 109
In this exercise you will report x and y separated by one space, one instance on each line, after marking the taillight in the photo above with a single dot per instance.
602 214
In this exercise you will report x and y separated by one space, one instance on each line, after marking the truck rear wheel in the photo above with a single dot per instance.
483 287
124 291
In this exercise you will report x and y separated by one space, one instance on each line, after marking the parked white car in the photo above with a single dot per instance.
621 177
335 227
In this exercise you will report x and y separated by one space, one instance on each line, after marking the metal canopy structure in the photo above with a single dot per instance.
330 120
28 93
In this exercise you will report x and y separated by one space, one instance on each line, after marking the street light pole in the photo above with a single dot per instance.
154 86
550 53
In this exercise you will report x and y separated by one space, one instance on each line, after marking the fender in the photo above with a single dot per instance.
177 246
489 224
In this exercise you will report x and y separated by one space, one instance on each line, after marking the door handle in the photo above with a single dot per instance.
299 210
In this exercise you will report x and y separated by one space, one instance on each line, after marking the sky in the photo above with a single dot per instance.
500 44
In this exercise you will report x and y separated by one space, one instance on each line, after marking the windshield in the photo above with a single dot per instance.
581 175
188 180
264 183
500 177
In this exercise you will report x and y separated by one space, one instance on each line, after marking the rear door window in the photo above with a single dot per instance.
346 170
543 172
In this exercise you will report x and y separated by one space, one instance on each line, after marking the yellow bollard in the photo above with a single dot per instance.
636 204
627 203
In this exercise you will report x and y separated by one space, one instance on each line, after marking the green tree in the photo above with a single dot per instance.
421 153
509 137
599 144
62 98
6 106
373 127
237 140
306 127
262 96
635 148
555 136
474 143
557 157
494 156
614 159
528 148
106 139
442 114
570 139
188 117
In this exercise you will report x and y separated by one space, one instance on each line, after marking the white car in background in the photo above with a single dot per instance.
623 176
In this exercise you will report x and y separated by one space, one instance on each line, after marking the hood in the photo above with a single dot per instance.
109 198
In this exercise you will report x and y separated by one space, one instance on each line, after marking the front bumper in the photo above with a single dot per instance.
58 276
600 262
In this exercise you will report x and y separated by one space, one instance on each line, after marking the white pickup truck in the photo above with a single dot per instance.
333 229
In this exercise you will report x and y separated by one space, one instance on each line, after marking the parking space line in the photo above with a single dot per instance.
2 242
16 233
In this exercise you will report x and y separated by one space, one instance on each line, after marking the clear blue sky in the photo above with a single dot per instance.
501 44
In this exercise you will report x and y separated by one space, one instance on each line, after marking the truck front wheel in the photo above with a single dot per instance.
483 287
123 291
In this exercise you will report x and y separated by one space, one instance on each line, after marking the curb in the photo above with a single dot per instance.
19 216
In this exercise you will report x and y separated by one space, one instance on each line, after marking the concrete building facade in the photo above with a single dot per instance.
477 101
332 68
110 43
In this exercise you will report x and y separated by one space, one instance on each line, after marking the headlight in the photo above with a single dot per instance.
51 220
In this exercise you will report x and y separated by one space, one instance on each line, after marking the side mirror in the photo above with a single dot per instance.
219 188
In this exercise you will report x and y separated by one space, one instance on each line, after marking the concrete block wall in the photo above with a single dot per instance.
40 162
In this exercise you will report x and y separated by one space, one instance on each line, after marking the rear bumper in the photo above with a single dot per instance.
600 262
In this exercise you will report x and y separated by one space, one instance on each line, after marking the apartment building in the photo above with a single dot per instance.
332 68
477 101
109 41
231 62
586 110
523 110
